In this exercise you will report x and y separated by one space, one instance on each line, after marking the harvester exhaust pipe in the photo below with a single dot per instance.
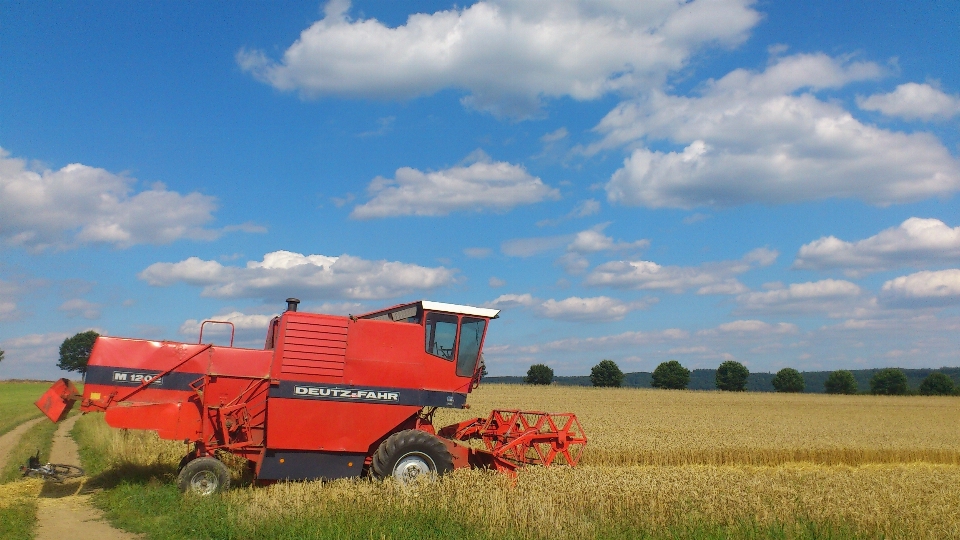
292 304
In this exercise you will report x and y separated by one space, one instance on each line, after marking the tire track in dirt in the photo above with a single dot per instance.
9 440
64 510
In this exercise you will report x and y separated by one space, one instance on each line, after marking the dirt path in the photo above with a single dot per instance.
9 440
65 510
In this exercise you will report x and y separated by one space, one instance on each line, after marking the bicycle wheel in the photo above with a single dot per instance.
64 472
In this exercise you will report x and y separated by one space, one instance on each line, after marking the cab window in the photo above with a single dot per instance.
441 335
471 334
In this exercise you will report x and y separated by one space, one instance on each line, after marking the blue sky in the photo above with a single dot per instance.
774 183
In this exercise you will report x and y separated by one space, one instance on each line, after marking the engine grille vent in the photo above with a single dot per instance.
315 347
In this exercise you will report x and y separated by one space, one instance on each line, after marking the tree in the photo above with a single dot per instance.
539 374
840 382
788 380
671 375
732 376
889 382
937 384
75 351
606 373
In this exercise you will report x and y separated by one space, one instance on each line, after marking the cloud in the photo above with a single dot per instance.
751 326
916 242
9 295
912 101
603 343
588 241
923 289
765 137
507 54
79 204
78 307
528 247
574 308
584 208
496 282
33 356
831 296
709 278
483 185
593 240
284 273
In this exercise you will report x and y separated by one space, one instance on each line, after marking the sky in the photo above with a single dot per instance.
706 180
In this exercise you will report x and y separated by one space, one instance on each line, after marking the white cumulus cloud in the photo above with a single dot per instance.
574 308
709 278
923 289
79 204
913 101
507 54
483 185
915 242
283 273
766 137
831 296
750 326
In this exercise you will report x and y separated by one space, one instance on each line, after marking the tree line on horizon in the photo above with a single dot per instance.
733 376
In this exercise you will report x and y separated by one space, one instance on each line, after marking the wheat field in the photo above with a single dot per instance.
879 466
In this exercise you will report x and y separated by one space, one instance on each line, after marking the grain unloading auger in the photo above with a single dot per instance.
327 397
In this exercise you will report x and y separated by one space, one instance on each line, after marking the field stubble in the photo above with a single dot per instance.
656 461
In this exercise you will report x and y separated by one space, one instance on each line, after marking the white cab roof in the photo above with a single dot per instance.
463 310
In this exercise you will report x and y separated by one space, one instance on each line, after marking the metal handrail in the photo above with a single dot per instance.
233 330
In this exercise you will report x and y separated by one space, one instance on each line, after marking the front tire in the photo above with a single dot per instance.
204 476
412 454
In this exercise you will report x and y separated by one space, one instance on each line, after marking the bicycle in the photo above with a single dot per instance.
51 471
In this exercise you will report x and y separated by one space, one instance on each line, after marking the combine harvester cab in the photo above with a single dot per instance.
328 397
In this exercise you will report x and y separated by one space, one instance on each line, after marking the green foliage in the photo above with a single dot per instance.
937 384
889 382
840 382
671 376
539 374
788 380
75 351
732 376
606 373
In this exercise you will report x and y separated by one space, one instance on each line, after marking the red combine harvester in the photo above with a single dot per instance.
327 397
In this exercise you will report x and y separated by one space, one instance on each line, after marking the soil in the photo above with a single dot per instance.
64 509
8 441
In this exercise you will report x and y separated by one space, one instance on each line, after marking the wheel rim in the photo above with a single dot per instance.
204 483
413 466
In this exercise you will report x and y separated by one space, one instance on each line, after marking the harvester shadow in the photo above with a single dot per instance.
132 473
152 474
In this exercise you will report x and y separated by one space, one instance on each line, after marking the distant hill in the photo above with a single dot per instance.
704 379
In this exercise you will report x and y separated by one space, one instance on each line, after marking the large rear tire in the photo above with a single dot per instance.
204 476
410 455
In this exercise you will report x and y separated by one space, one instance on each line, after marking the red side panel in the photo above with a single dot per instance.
297 424
57 401
176 421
